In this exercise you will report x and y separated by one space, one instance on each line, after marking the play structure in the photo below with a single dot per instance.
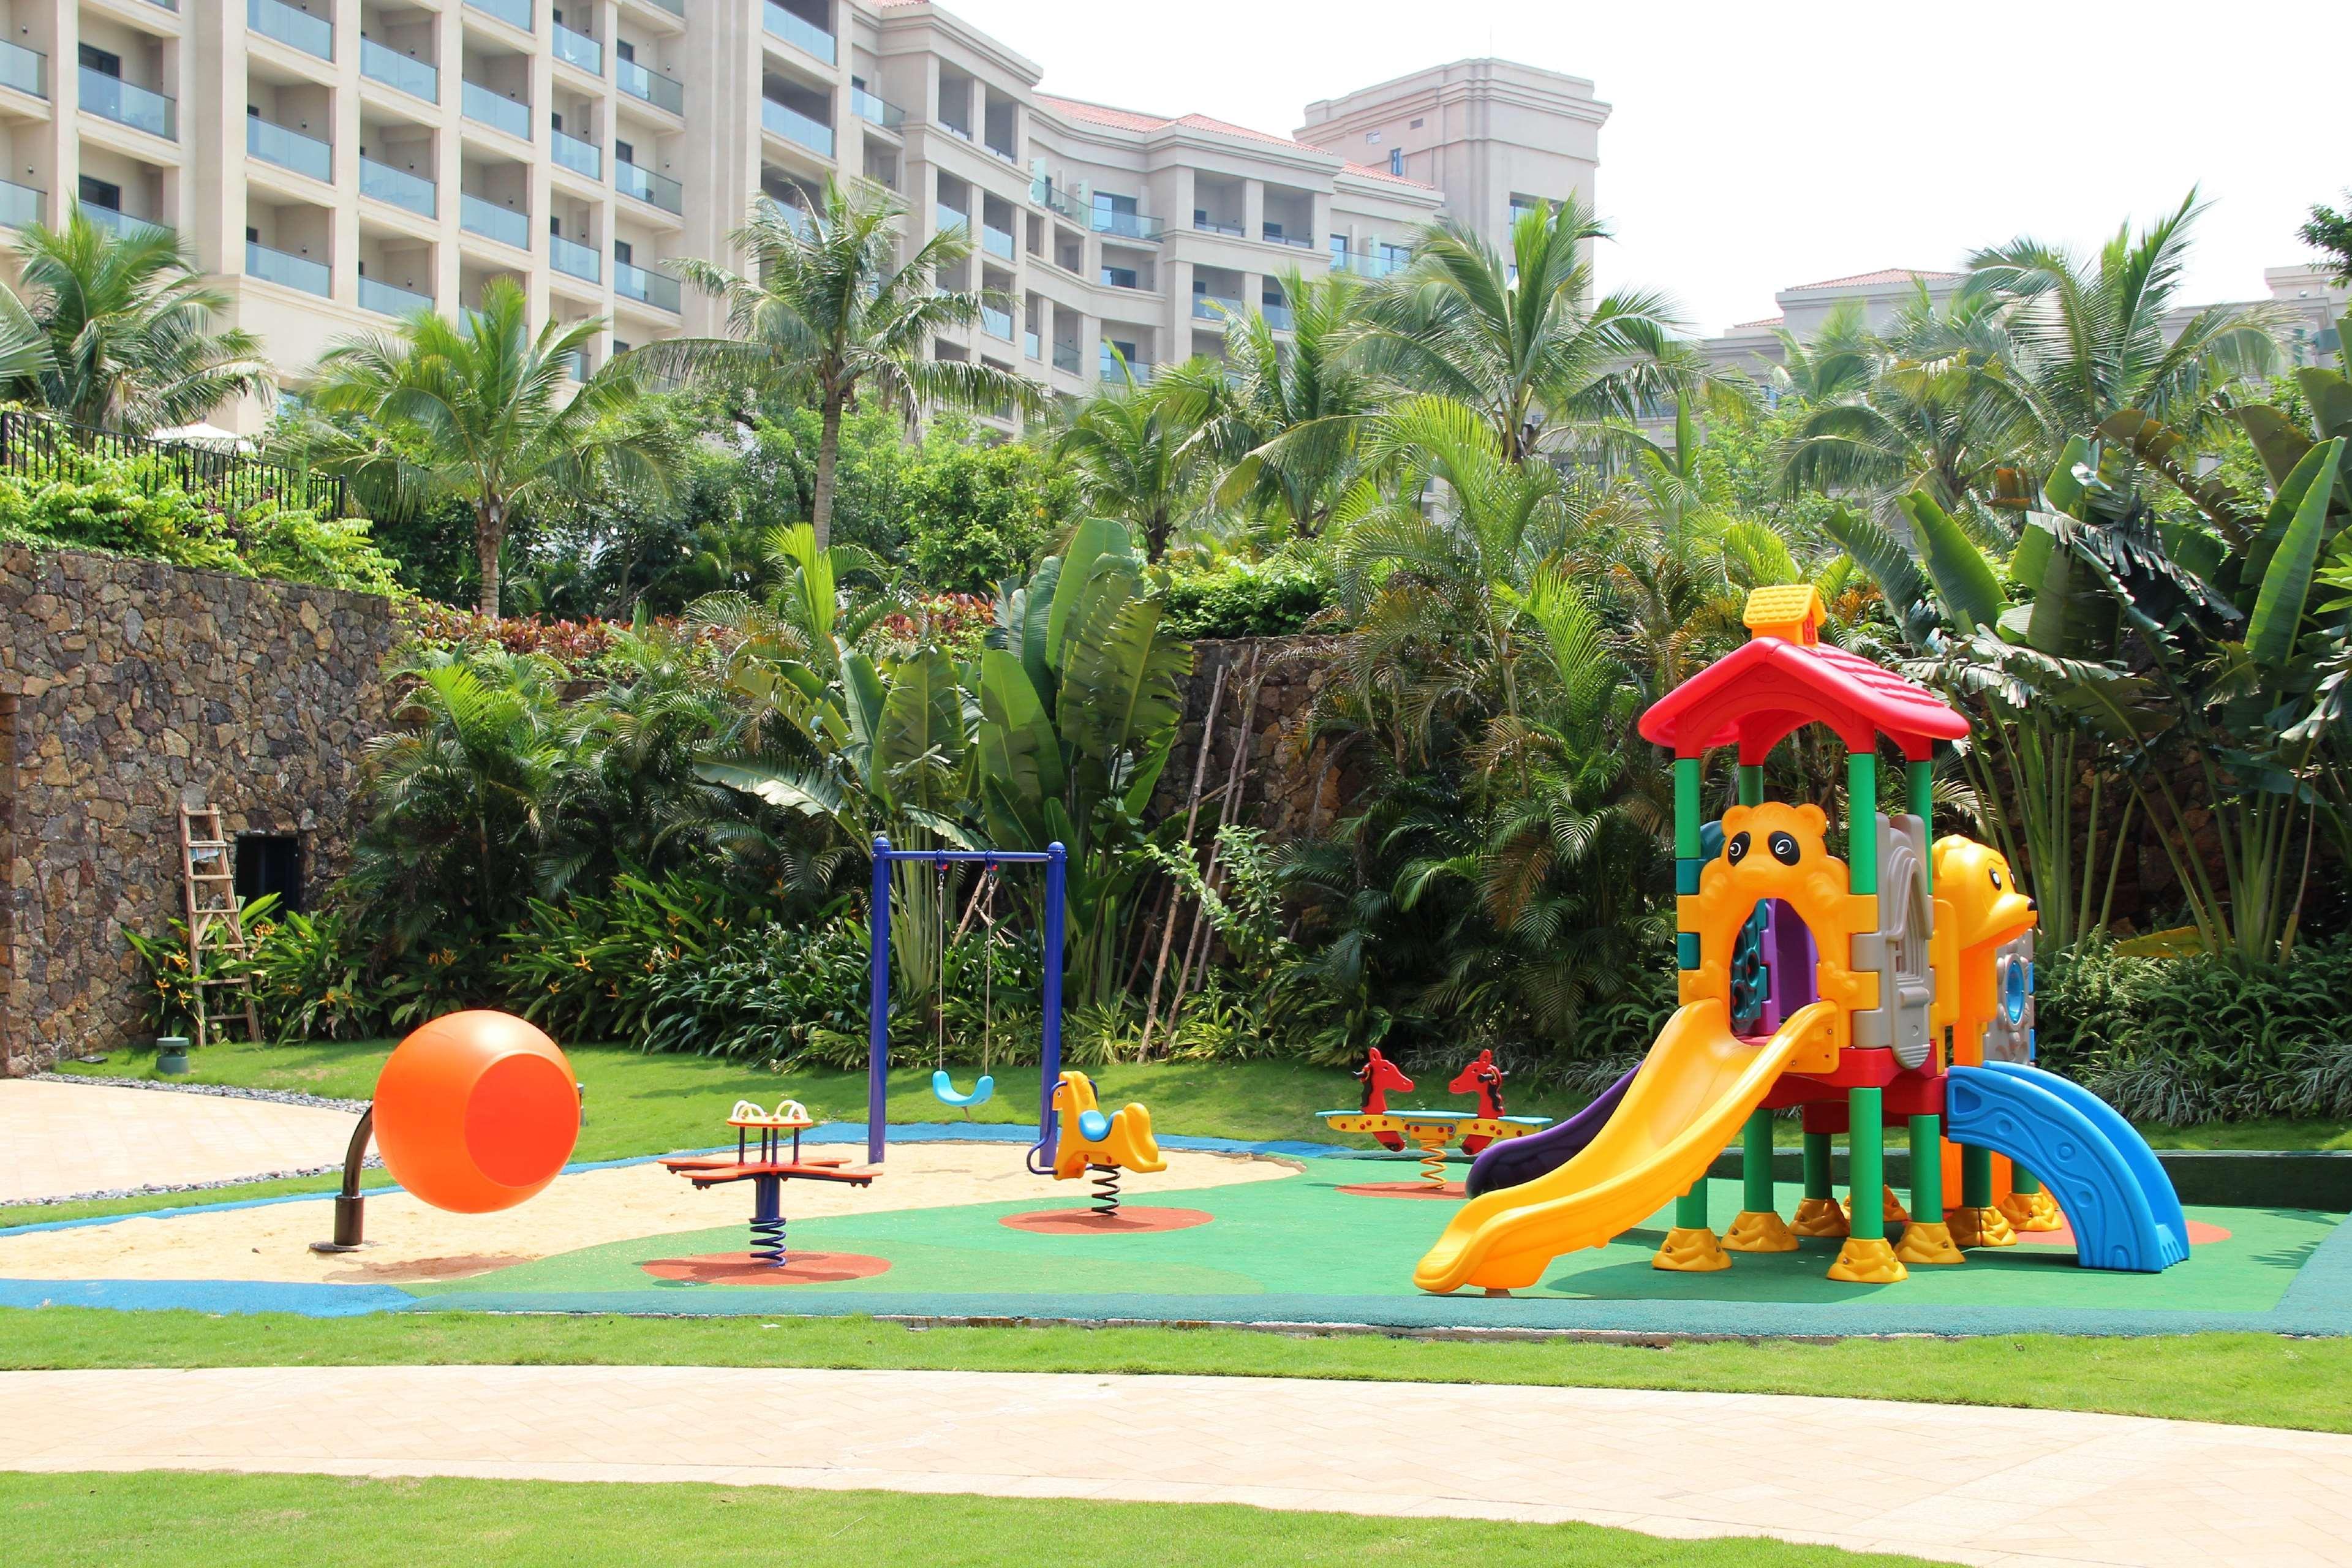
1892 987
1432 1131
887 861
1091 1143
768 1168
473 1112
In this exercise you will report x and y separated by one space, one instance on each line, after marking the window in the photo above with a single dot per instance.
626 49
271 863
99 60
1120 277
555 121
622 252
100 193
1414 126
1396 161
627 152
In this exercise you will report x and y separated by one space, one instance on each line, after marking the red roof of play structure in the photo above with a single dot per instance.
1754 696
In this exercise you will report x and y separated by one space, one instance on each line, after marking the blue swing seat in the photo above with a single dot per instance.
944 1088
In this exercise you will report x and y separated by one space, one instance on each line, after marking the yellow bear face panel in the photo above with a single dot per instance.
1976 880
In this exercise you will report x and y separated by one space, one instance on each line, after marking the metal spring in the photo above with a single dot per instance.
1106 1198
767 1240
1433 1166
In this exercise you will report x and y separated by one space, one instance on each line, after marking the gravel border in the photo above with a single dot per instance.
218 1092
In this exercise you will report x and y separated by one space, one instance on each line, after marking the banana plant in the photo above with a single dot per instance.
1080 691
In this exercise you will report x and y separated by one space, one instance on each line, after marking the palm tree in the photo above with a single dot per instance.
114 330
826 314
485 411
1520 340
1134 449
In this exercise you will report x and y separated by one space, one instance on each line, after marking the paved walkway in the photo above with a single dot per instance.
65 1138
1943 1482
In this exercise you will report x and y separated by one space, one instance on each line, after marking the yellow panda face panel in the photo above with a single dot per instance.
1778 851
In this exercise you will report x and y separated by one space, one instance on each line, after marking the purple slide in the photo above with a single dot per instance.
1513 1161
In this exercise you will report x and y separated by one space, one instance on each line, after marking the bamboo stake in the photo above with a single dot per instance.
1192 816
1196 943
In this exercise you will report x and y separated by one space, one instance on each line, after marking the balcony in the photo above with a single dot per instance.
1273 234
1126 225
1365 263
27 70
140 107
290 149
386 299
575 259
1067 358
1007 153
1054 198
487 106
480 215
653 190
658 289
996 323
651 86
877 111
117 223
20 205
1277 315
290 271
1033 344
793 126
398 187
799 32
579 50
1215 306
675 7
297 29
1140 370
945 217
513 13
579 157
395 70
1202 225
996 241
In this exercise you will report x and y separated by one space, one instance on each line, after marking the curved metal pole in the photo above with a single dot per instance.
351 1212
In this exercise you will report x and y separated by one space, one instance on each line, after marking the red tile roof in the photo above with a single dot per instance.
1883 275
1765 322
1134 120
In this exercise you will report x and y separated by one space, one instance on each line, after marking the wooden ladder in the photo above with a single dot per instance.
216 918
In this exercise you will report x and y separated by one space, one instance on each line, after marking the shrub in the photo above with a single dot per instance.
768 992
976 515
584 968
1273 598
292 545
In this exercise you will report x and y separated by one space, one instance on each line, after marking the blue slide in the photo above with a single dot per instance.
2119 1201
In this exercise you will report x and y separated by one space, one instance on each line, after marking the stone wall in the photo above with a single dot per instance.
1292 784
127 688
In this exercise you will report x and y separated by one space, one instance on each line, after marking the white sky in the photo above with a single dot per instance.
1756 146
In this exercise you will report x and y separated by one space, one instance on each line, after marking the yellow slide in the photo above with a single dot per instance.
1696 1087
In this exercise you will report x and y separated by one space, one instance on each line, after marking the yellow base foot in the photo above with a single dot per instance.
1890 1209
1759 1231
1861 1262
1691 1251
1924 1243
1818 1217
1981 1227
2032 1210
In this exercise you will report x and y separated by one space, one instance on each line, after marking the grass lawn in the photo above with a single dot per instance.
2256 1380
198 1520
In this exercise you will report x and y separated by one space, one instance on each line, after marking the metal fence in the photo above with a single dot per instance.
37 447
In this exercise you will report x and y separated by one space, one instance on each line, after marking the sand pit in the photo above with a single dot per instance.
409 1242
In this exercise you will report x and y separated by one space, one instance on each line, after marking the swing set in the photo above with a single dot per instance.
1055 860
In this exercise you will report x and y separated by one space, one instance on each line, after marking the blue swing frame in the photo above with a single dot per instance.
1055 859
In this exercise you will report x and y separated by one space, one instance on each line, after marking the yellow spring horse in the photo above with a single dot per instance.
1105 1146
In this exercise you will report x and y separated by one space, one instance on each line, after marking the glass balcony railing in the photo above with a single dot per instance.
1215 226
1140 370
1054 198
393 69
996 241
382 183
141 108
119 223
793 126
579 157
1033 344
661 91
276 19
800 32
20 205
513 13
945 217
675 7
489 107
1272 234
876 111
658 289
996 323
1276 314
575 259
655 190
293 271
1365 263
1215 306
27 70
1066 357
386 299
575 48
486 218
290 149
1125 225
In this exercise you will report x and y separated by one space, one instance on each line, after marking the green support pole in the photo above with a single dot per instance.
1861 822
2021 1180
1976 1177
1865 1164
1927 1169
1817 1166
1755 1164
1690 1209
1750 783
1687 810
1921 777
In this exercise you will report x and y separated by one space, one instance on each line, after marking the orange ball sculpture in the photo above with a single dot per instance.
476 1112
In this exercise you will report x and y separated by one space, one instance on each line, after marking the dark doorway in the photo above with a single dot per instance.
271 863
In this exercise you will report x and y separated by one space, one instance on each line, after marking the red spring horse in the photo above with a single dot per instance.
1379 1075
1484 1079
